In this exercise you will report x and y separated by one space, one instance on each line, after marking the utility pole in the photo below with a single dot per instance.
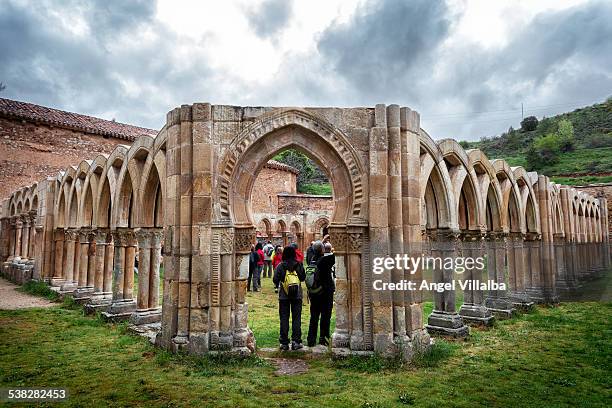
522 115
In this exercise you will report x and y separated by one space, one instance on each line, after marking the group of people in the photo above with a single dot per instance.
289 270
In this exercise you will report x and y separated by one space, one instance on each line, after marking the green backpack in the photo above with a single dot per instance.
291 284
312 281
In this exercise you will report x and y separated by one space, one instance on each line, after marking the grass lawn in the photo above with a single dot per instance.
558 356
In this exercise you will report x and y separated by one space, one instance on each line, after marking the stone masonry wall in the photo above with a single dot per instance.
269 183
294 203
30 152
597 190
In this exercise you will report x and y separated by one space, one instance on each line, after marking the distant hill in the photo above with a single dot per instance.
587 160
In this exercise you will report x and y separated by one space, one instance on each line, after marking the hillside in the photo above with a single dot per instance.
586 158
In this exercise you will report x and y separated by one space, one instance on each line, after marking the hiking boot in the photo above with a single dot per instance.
284 347
296 345
275 290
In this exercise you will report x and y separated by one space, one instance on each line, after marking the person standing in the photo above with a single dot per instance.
299 256
268 250
289 275
322 303
253 256
277 258
309 253
258 269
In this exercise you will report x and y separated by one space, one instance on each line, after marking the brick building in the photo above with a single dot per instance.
282 214
36 141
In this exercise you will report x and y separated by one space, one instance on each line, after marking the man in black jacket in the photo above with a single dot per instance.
321 304
287 304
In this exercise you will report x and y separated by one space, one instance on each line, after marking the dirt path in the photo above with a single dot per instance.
11 299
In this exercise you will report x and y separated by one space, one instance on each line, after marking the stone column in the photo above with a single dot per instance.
32 236
444 320
349 320
25 236
18 232
87 255
58 269
518 265
12 237
473 309
5 225
70 238
39 254
122 305
498 301
149 250
382 302
102 274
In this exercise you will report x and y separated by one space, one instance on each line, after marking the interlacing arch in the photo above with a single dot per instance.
187 192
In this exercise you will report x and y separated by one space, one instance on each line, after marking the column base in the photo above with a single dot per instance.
341 339
68 287
119 310
447 324
542 296
501 307
146 316
83 294
476 315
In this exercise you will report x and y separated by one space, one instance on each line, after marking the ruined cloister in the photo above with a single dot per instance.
181 200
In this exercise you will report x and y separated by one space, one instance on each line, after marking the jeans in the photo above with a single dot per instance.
320 305
255 277
295 307
268 271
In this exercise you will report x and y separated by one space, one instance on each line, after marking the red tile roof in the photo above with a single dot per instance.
69 120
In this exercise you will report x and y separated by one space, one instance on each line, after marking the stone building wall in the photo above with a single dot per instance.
30 152
271 181
294 203
600 190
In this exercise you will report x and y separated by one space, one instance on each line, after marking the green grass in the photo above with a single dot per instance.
316 189
582 180
41 289
555 357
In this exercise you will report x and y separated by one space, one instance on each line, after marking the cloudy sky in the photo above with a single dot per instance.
465 65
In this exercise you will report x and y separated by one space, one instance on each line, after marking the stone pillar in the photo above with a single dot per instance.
349 322
25 236
12 235
498 301
39 254
5 225
122 305
70 238
382 302
32 236
58 270
102 274
444 320
18 232
149 250
473 309
87 253
518 265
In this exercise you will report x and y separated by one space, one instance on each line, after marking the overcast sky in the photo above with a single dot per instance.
465 65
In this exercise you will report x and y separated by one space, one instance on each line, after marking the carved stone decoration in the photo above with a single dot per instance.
226 241
354 243
243 239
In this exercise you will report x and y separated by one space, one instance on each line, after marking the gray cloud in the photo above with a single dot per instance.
389 51
270 17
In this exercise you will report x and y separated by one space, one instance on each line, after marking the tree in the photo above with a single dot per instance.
529 123
565 130
544 151
465 144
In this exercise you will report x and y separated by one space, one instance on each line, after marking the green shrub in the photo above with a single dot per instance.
38 288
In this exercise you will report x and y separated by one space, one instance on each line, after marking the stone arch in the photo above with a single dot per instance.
106 195
491 196
91 185
265 226
281 226
437 200
150 208
320 227
529 209
511 202
279 130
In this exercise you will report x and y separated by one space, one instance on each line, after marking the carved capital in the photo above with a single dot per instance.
243 239
124 238
71 235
